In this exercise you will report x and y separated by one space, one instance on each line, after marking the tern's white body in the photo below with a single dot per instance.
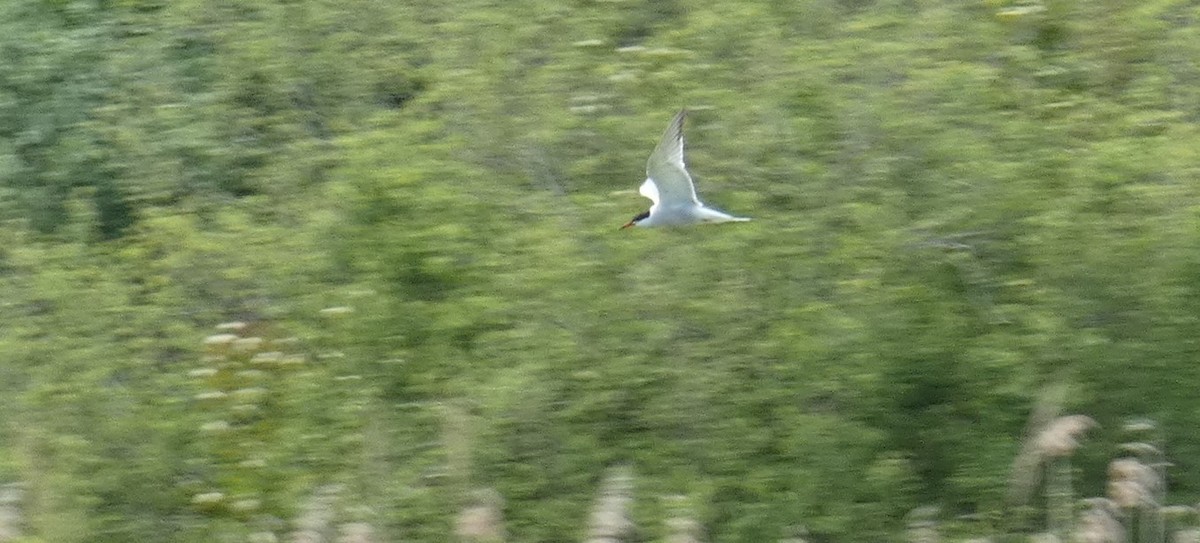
670 187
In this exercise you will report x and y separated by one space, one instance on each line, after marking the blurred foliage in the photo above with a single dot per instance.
956 205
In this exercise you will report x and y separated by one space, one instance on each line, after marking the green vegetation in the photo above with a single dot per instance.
404 217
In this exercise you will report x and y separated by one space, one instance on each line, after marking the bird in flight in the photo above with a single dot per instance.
670 187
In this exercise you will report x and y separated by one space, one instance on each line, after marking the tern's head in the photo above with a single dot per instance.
636 219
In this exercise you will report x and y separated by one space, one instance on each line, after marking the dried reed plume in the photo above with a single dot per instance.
610 522
1060 438
1099 524
1139 490
1046 452
482 521
1133 484
1026 472
1133 510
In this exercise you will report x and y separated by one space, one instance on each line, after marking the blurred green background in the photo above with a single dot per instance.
404 216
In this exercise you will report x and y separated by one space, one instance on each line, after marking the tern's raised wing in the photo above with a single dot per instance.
669 181
649 190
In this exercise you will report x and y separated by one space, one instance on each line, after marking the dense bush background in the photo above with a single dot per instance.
958 206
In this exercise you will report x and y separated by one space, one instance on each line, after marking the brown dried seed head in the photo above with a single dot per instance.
1061 436
1128 494
1099 524
1129 469
1123 469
